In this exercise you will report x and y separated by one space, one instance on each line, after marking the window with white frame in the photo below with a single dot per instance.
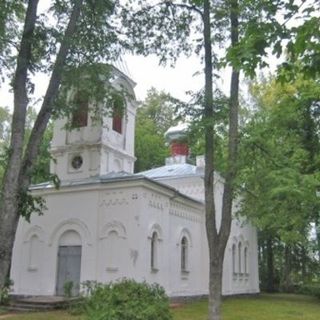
184 253
112 248
33 253
245 260
239 258
234 259
154 251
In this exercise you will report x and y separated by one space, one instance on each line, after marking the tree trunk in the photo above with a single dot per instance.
317 226
18 171
286 277
9 214
304 258
270 266
217 240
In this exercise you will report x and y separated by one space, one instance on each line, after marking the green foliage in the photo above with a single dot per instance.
163 29
279 164
41 171
155 116
5 120
29 204
150 146
11 13
5 292
303 47
194 109
92 87
67 288
284 307
312 289
127 300
279 175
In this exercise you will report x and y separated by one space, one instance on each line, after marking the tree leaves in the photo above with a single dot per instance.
156 115
277 167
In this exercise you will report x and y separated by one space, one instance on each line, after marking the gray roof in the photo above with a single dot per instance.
172 170
109 178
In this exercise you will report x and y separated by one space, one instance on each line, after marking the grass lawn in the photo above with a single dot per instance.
2 310
263 307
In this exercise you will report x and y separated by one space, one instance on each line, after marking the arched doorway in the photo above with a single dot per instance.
69 264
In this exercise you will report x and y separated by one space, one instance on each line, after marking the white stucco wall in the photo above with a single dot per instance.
128 212
94 211
241 231
114 221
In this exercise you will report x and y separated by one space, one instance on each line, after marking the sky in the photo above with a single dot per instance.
147 73
185 76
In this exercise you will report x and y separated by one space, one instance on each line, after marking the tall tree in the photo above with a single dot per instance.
72 34
5 119
41 172
280 160
175 18
154 117
165 29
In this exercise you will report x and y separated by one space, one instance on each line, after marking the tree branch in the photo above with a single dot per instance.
184 6
171 4
20 98
51 93
233 135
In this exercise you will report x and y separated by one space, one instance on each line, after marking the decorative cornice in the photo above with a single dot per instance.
156 202
114 199
184 212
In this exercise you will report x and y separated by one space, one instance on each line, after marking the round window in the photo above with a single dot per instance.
76 162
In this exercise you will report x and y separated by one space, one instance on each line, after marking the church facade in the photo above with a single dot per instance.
105 223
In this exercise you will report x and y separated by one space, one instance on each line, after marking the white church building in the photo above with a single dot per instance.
105 223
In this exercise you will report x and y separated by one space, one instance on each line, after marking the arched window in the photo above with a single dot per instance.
184 253
239 257
80 113
34 253
112 251
154 247
234 258
117 112
245 258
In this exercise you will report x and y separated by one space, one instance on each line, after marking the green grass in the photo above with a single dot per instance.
2 310
50 315
263 307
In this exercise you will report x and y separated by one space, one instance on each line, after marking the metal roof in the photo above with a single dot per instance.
172 170
109 178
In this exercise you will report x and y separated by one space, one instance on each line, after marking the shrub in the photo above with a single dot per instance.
5 292
67 289
312 289
127 300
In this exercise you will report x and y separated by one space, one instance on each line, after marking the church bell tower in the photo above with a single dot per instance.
92 148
